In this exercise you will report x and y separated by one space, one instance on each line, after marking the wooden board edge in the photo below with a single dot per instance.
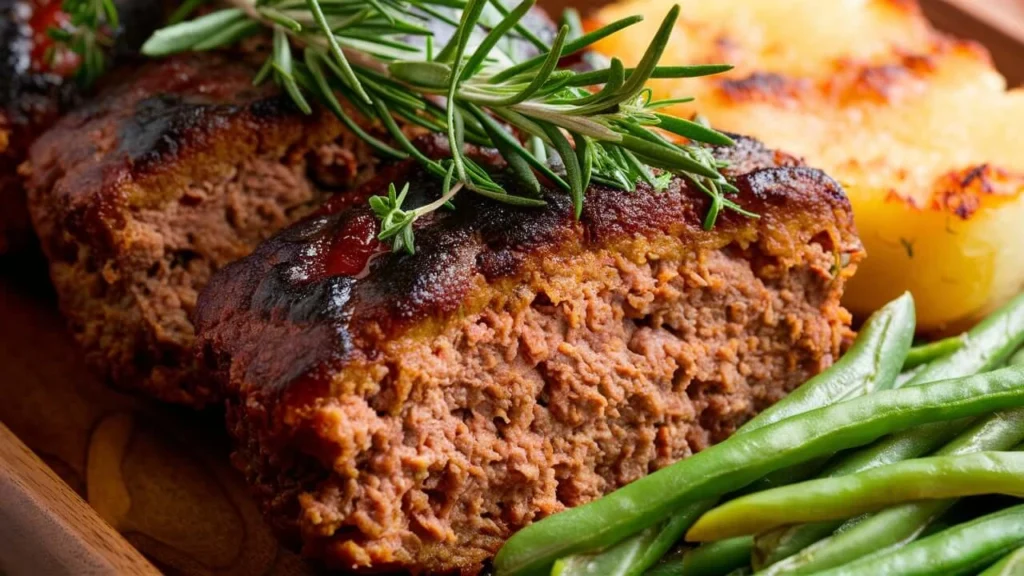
996 24
46 528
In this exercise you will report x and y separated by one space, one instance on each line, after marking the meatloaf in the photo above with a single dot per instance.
141 193
411 411
34 92
171 172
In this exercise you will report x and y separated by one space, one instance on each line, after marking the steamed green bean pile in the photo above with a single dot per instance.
858 472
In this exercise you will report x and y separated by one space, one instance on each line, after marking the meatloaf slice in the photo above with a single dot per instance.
141 193
397 411
33 93
175 170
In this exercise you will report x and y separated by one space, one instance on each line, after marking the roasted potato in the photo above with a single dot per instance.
918 127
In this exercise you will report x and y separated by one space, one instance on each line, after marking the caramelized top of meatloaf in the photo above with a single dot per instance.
142 192
176 168
411 411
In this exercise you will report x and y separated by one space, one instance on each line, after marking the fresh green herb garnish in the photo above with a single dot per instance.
89 33
380 57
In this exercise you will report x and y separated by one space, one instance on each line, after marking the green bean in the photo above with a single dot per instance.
637 553
633 555
1017 359
614 559
785 477
1011 565
870 364
986 347
932 351
907 376
669 533
670 565
774 545
901 524
934 478
713 559
778 478
935 527
744 458
717 558
961 549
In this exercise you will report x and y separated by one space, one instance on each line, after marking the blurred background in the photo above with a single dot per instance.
967 18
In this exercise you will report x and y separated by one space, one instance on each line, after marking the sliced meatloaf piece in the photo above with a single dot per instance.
141 193
397 411
34 92
176 169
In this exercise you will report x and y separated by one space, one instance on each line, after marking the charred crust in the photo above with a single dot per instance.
490 241
176 168
345 390
963 192
147 126
171 172
163 126
852 79
777 185
157 116
764 87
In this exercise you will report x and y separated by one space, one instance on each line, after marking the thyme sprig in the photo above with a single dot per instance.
88 33
380 57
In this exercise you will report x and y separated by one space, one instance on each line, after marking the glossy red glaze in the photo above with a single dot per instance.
316 297
350 251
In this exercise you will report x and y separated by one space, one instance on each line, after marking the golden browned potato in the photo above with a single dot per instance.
918 127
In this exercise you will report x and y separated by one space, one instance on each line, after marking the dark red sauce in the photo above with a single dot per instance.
351 250
348 251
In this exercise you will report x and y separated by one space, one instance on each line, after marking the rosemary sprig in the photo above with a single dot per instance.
88 33
381 57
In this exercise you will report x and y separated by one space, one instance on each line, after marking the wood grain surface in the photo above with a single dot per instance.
53 529
159 476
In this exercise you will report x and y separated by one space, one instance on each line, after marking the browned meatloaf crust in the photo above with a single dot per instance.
32 98
141 193
167 175
413 412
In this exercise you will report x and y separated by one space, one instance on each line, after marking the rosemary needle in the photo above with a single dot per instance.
361 51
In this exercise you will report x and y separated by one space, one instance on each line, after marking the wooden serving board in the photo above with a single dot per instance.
159 476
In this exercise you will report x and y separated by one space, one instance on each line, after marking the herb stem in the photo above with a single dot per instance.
603 124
